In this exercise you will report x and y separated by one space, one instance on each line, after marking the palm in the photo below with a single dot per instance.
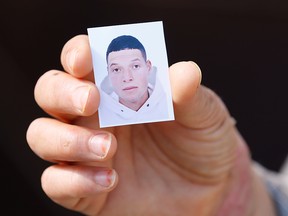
152 172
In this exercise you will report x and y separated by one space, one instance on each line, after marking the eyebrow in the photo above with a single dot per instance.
113 64
133 60
136 59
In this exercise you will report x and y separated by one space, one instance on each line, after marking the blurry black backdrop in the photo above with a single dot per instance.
241 47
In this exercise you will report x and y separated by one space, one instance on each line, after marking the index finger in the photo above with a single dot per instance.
76 57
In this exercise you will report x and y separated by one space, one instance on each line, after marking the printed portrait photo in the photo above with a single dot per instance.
131 72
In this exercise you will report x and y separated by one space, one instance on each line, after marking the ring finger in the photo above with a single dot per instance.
66 97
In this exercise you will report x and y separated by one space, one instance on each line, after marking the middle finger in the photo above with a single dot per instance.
69 143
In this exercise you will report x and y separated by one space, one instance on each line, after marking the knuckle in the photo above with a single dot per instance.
72 143
68 141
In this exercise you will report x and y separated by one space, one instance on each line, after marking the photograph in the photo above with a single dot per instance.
131 72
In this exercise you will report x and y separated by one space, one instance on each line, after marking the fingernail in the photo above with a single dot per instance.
100 144
105 178
70 58
80 98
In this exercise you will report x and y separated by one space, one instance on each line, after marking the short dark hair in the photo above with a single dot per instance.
125 42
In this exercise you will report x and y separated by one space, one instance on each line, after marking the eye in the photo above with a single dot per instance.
115 70
136 66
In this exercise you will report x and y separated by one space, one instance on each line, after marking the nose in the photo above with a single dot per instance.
127 75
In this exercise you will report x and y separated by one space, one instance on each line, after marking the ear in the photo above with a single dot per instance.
149 65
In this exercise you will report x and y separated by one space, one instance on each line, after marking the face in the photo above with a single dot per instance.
128 73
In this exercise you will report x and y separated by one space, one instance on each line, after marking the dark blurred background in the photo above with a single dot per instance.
241 47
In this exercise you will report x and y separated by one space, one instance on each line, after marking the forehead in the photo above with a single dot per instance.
125 55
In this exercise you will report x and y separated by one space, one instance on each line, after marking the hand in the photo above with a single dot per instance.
195 165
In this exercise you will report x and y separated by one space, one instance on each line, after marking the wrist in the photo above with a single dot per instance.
263 203
246 194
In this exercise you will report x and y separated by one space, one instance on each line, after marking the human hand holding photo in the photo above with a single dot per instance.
196 165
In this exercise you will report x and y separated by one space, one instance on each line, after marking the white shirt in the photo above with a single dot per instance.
155 109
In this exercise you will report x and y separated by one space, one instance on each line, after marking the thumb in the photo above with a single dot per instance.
196 106
207 142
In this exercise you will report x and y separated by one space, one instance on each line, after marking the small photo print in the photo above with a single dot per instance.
131 72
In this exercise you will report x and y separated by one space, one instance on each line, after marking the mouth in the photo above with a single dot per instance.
129 88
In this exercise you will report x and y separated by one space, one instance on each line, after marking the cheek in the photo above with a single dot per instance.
114 81
143 80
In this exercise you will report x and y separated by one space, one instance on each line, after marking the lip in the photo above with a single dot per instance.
129 88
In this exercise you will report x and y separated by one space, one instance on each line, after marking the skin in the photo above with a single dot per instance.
196 165
128 74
